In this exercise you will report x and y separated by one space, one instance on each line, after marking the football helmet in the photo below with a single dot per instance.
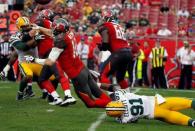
107 16
115 109
22 21
60 25
46 14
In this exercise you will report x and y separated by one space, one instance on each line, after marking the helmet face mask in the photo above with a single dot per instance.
26 28
107 16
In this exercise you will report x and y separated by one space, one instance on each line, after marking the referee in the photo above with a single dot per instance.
158 57
185 56
5 51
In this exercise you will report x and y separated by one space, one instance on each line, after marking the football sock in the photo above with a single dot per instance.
67 93
89 102
54 94
193 104
64 83
23 84
191 122
48 86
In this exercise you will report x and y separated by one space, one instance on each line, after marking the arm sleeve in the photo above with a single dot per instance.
19 45
55 53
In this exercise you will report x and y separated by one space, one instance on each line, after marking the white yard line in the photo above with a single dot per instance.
95 124
4 87
50 110
136 90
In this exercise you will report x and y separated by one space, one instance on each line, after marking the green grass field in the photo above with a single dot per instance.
37 115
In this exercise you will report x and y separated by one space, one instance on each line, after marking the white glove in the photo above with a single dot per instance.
29 59
4 73
39 37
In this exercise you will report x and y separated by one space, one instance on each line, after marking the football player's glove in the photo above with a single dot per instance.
29 59
39 37
2 75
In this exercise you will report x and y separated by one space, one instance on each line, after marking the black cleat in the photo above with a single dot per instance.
50 98
20 96
68 100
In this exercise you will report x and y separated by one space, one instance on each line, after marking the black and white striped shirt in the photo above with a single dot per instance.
5 49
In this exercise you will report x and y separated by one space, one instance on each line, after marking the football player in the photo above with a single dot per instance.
153 107
113 39
23 41
44 47
64 51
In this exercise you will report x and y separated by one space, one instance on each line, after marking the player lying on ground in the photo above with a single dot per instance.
150 107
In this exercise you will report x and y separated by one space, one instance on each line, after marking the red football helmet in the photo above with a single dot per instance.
60 25
46 14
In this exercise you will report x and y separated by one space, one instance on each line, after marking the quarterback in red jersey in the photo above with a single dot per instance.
113 39
44 47
65 52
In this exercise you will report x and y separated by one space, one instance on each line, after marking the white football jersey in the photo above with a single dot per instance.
137 106
21 54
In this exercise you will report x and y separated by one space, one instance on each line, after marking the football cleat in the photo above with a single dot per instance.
68 100
115 109
50 98
28 93
20 96
57 101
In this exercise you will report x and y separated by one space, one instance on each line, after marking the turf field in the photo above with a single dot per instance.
37 115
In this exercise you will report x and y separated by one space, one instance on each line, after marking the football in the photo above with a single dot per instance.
42 2
115 109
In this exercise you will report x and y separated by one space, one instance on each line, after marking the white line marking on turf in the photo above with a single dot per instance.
50 110
95 124
4 87
136 90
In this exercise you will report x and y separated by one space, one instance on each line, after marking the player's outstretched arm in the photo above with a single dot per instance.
43 30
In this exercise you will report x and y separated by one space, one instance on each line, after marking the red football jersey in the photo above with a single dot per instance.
116 34
46 44
69 60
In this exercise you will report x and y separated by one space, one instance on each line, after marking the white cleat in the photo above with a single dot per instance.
57 101
68 100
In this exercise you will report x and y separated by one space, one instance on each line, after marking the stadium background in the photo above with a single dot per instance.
74 11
